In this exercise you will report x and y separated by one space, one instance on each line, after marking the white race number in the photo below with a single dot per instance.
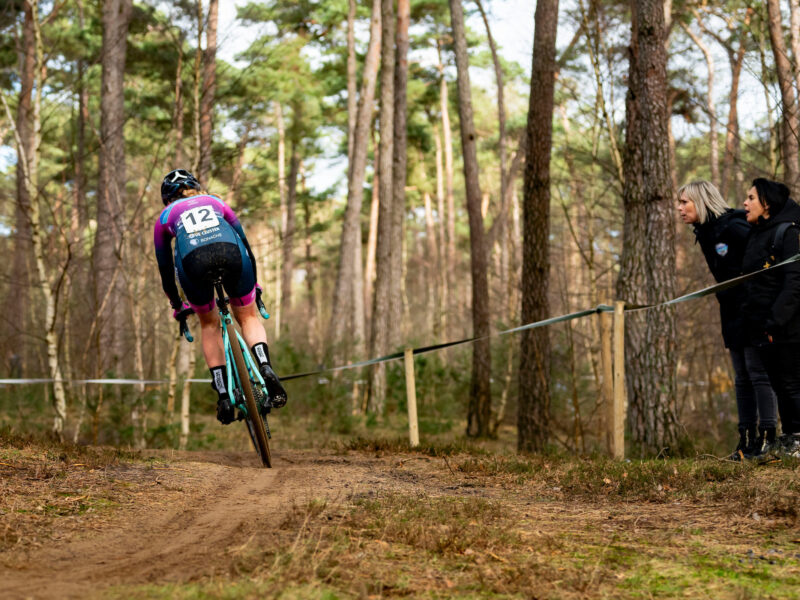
198 219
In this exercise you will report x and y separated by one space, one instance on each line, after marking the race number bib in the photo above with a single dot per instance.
198 219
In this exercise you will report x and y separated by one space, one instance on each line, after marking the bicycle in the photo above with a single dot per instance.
248 394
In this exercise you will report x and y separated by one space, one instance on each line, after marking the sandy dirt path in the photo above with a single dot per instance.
217 502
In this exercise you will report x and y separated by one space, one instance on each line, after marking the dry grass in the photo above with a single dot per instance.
42 482
441 523
487 526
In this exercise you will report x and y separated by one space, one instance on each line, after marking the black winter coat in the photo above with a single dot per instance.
772 306
722 240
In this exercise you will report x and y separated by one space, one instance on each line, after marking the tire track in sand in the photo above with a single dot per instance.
220 507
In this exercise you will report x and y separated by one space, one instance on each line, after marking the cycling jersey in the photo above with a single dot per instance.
208 236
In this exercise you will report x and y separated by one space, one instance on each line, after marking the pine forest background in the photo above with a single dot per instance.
101 97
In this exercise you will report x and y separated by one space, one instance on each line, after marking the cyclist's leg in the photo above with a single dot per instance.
243 294
249 320
200 295
213 351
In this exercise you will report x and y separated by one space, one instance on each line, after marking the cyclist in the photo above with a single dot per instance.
208 237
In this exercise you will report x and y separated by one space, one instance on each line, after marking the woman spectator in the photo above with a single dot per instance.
771 312
722 234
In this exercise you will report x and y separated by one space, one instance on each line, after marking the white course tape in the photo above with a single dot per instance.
98 381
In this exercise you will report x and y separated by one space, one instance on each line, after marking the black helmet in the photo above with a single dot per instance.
174 182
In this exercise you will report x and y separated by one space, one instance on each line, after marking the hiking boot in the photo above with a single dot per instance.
739 454
277 395
790 445
766 445
755 441
225 412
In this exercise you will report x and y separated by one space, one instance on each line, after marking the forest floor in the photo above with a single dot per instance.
370 519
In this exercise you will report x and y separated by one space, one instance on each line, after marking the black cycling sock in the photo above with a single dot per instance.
262 354
218 381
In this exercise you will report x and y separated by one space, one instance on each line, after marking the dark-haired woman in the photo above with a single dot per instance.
771 312
722 235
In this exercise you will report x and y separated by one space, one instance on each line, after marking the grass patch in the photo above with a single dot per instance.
400 445
43 481
420 546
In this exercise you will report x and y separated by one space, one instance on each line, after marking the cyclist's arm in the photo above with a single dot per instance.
166 266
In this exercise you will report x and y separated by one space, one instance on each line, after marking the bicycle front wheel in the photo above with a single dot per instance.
254 423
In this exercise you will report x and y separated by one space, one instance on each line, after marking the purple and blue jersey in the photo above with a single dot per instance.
207 234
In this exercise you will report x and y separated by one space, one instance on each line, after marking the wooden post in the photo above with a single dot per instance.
607 388
411 395
618 413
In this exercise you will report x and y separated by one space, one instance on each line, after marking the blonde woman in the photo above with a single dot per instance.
722 235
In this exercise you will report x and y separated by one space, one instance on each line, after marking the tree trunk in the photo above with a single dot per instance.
765 77
533 413
502 217
310 265
185 398
480 408
713 138
281 127
177 114
196 95
172 375
19 286
447 143
382 302
372 238
291 204
433 262
347 316
441 216
80 136
352 100
107 251
794 28
647 272
236 176
29 156
399 162
789 130
209 89
730 158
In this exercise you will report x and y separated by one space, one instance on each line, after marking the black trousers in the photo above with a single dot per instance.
782 362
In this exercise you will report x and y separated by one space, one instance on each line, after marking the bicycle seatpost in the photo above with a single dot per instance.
222 303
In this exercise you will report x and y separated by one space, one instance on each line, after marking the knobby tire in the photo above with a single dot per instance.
255 424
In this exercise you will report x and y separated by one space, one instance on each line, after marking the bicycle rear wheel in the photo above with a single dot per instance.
254 423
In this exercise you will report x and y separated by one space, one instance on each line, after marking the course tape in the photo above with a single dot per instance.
425 349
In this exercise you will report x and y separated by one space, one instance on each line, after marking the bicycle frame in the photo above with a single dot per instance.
233 376
252 368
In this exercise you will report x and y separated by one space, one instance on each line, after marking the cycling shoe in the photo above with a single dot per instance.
225 412
277 395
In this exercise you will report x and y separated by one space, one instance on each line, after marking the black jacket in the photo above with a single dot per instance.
772 305
722 240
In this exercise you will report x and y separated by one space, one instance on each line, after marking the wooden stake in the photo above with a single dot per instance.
607 388
411 395
618 416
